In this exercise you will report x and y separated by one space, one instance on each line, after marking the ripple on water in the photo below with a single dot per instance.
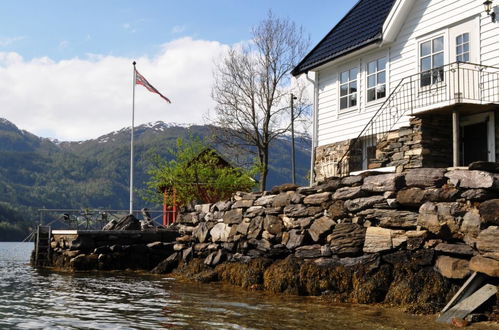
32 299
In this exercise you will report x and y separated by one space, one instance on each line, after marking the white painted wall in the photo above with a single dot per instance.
426 18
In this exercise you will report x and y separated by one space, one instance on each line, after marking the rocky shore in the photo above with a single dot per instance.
405 239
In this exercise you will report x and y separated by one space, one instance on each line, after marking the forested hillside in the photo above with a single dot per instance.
37 172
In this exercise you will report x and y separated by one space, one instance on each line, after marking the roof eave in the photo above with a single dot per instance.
377 39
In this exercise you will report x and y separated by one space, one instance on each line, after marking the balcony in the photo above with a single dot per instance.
438 90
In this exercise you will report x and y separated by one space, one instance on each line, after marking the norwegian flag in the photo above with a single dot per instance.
140 80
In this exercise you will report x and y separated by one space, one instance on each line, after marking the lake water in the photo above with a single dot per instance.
35 299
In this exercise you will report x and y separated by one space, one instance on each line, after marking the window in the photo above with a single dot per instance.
463 47
376 79
431 57
348 88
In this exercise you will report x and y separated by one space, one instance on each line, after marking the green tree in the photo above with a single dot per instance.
196 173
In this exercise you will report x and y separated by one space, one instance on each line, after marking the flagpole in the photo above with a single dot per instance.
131 139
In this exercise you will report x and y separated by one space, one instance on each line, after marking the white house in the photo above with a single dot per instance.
406 83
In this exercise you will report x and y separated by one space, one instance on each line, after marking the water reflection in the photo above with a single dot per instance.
34 299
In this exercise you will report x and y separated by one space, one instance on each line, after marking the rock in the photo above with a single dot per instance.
489 211
337 210
399 238
383 182
377 240
110 225
484 166
255 227
330 185
243 203
128 222
488 240
459 322
347 239
317 199
167 265
283 199
410 259
471 223
189 218
391 218
306 190
320 227
284 187
222 206
459 249
479 195
201 232
273 224
312 251
233 217
254 211
484 265
415 239
414 196
442 218
362 203
425 177
295 239
273 210
473 179
220 232
83 243
349 193
243 227
265 200
300 210
353 180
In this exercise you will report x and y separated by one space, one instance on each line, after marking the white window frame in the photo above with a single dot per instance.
343 69
431 54
366 87
463 52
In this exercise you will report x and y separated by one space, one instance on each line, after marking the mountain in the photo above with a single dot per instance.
38 172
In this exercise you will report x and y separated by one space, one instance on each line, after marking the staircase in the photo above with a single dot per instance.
42 246
440 87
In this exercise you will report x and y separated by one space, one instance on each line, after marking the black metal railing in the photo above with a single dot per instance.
437 88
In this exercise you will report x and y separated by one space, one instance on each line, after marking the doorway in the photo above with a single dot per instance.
477 138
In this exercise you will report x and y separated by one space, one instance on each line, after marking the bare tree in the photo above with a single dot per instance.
253 85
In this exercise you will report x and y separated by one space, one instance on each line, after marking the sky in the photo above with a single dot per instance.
66 66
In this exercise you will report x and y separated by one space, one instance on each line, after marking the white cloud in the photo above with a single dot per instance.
63 44
83 98
178 29
6 41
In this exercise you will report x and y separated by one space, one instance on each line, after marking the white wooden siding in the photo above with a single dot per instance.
425 18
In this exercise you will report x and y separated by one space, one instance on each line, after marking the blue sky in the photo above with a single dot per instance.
44 37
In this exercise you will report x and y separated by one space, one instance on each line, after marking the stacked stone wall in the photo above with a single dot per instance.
408 238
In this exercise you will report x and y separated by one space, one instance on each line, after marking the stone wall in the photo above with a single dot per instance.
408 239
425 143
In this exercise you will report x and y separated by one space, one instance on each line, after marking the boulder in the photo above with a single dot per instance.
220 232
243 227
485 265
349 193
459 249
128 222
295 239
201 232
283 199
233 216
441 218
425 177
473 179
265 200
479 195
377 240
471 222
284 187
383 182
484 166
415 239
362 203
337 210
488 240
452 267
222 206
300 210
243 203
167 265
273 224
391 218
347 239
414 196
312 251
320 227
489 211
317 199
255 227
330 185
254 211
353 180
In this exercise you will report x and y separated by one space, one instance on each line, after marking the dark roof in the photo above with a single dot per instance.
361 26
